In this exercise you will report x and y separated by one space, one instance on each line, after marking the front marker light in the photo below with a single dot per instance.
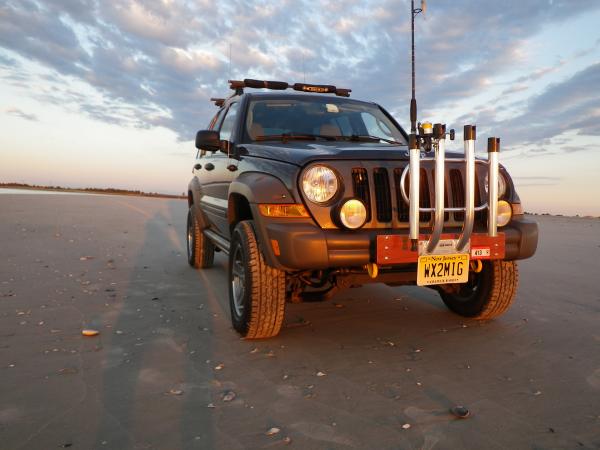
319 184
353 214
282 210
504 213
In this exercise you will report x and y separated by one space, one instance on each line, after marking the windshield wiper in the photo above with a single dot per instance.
370 138
284 137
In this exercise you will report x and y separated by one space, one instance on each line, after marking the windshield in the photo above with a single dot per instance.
325 118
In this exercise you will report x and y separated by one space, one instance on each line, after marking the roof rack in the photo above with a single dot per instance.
218 101
239 85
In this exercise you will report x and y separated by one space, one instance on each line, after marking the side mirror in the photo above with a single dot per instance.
208 140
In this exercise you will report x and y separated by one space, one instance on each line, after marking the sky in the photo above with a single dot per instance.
110 93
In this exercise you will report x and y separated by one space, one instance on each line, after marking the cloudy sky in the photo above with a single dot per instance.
109 93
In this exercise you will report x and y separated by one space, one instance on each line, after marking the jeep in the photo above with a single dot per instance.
308 192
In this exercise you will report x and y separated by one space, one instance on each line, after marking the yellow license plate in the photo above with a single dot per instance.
442 269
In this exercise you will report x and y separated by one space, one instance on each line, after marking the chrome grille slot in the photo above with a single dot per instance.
360 186
383 199
401 205
480 216
458 193
424 197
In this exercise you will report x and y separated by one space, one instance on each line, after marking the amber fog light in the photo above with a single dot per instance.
504 213
353 214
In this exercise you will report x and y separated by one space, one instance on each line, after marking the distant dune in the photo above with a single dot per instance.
88 190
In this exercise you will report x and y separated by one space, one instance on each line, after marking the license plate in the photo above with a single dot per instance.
442 269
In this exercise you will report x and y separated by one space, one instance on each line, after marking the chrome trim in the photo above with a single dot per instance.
214 201
440 174
452 209
220 242
493 194
469 195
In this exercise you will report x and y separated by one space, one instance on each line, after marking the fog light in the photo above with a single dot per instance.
504 213
353 214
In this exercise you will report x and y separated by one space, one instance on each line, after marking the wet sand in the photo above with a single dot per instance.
156 375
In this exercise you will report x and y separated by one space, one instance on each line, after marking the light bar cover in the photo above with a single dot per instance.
282 85
261 84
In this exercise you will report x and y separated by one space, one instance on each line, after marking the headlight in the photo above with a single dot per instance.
501 184
504 213
353 214
319 184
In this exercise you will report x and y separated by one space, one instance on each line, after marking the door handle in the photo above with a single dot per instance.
209 166
198 166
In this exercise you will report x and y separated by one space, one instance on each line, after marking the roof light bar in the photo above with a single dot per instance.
239 85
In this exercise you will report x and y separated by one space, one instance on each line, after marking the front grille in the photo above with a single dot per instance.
382 196
424 200
458 193
360 186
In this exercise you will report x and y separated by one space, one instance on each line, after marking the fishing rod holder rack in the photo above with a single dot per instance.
438 139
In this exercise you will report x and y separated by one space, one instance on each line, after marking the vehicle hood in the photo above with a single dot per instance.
302 153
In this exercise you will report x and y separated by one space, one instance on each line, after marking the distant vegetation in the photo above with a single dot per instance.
90 190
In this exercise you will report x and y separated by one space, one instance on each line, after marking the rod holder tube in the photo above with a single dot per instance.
415 183
440 173
469 143
493 148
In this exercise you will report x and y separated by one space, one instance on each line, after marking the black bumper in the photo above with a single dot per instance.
304 246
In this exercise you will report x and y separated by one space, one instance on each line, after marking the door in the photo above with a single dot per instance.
215 176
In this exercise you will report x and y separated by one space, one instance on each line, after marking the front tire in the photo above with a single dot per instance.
256 290
487 294
200 251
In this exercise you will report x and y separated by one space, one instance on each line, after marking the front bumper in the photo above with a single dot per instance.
302 245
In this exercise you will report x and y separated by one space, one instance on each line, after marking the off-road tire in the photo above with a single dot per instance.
488 294
263 296
200 251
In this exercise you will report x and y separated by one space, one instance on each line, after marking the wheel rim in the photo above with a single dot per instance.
238 281
190 236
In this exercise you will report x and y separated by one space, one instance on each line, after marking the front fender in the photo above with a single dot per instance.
259 187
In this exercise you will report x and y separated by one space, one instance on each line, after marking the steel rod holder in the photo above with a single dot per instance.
415 183
493 149
469 143
439 137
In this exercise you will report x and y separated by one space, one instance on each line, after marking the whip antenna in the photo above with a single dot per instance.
413 101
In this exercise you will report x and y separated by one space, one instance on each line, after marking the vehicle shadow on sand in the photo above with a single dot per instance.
155 383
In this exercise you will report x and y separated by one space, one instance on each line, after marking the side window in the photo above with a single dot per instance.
214 123
229 122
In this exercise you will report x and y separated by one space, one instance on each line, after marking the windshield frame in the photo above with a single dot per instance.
250 97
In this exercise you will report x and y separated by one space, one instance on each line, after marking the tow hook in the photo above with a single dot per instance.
476 266
372 269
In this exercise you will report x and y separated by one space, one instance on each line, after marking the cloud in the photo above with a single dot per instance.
578 148
570 105
156 63
23 115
